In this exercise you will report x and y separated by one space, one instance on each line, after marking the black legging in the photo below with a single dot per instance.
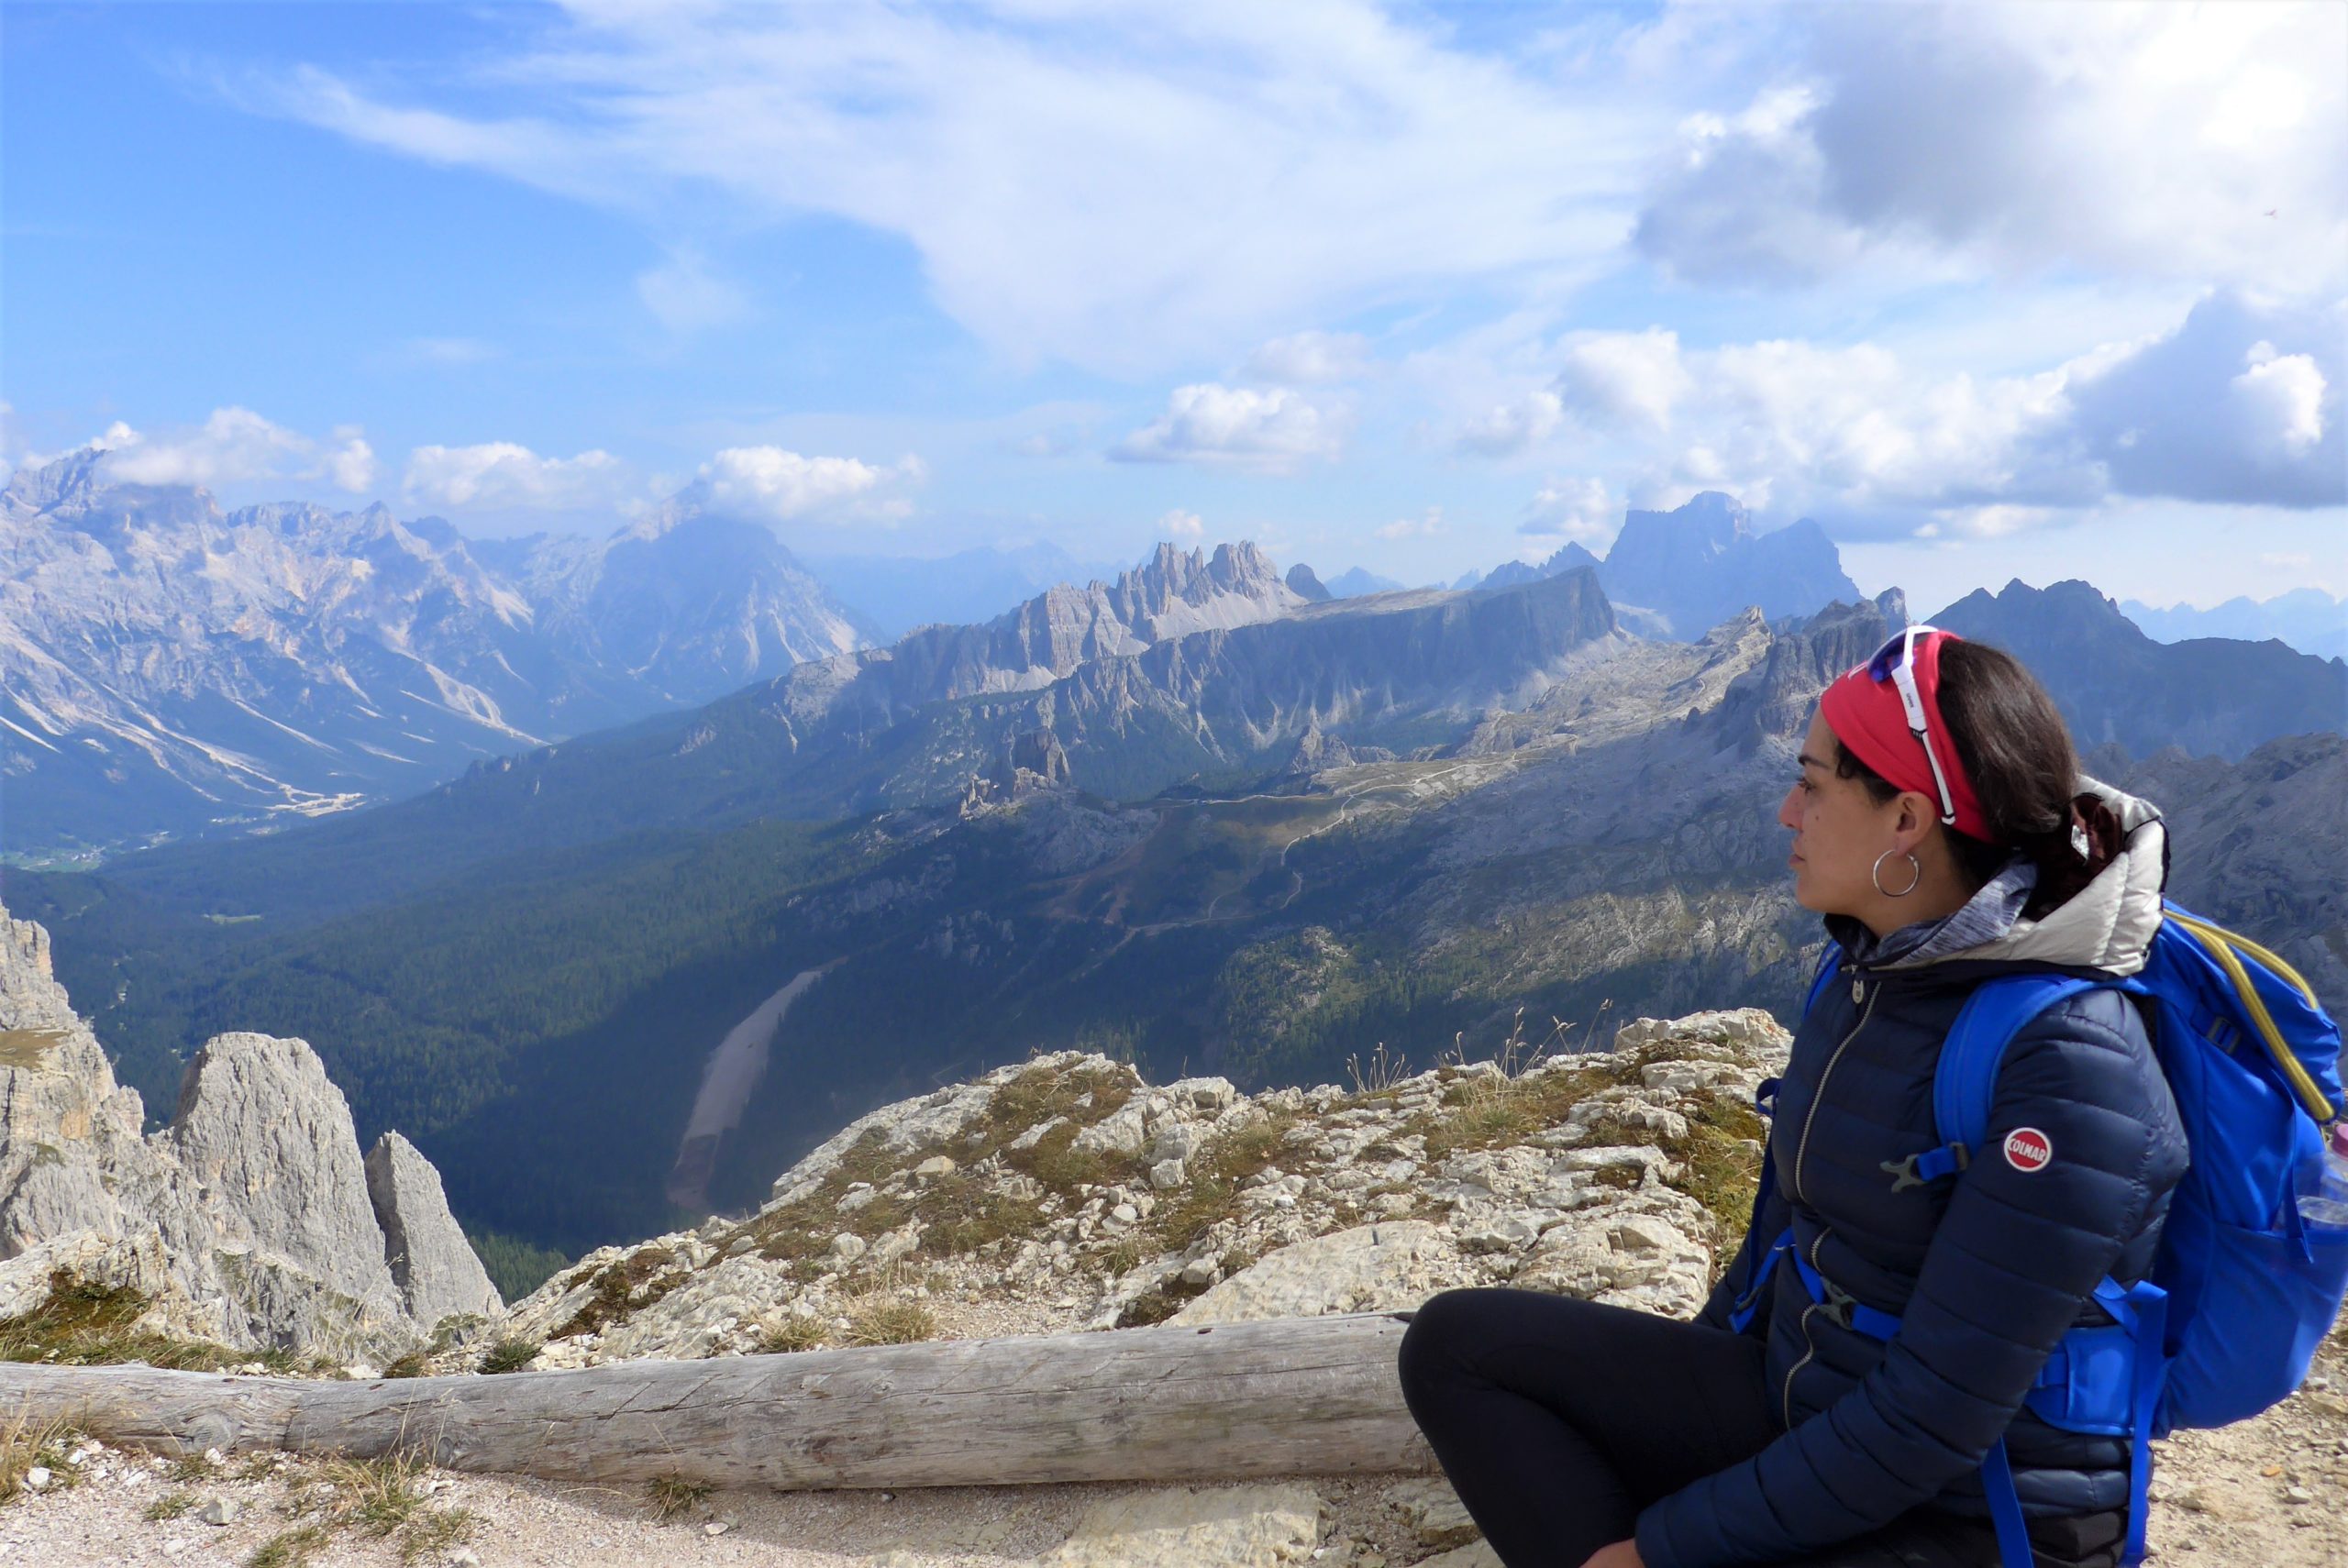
1558 1420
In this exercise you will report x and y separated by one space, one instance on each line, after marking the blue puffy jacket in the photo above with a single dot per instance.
1987 1270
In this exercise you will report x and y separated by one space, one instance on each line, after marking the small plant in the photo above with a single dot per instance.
509 1356
171 1504
876 1322
789 1333
412 1364
198 1466
258 1466
1382 1073
290 1548
674 1497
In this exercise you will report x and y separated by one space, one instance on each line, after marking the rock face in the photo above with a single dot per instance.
434 1267
248 1220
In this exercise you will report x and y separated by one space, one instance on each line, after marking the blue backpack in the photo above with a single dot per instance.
2243 1288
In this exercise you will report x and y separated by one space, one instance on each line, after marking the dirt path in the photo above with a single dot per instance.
727 1078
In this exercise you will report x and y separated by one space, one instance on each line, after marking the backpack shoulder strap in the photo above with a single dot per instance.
1827 962
1967 1078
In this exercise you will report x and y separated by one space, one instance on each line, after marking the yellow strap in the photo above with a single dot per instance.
2264 956
2220 944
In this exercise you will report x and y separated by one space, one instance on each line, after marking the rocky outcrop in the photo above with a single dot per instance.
434 1267
1064 1192
248 1220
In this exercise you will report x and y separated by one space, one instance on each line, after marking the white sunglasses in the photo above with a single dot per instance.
1892 662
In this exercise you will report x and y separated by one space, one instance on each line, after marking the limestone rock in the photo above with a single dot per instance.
248 1220
437 1270
1475 1555
1433 1512
1393 1264
1234 1526
267 1154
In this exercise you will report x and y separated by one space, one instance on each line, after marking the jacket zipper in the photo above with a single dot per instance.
1809 1346
1818 1095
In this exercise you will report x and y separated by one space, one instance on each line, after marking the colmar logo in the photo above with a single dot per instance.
2028 1149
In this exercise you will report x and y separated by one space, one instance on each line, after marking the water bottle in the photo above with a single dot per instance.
2328 1204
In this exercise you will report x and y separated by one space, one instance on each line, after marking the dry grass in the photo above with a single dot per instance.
380 1498
789 1333
25 1442
291 1547
621 1287
674 1497
889 1322
87 1324
170 1506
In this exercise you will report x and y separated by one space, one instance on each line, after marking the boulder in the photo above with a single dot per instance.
1369 1268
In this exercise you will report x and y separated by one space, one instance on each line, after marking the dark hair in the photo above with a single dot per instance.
2016 752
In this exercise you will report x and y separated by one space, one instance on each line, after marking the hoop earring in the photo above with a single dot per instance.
1876 876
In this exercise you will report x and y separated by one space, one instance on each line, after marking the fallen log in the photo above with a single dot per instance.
1312 1396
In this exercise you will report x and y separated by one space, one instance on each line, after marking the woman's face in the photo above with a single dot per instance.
1839 830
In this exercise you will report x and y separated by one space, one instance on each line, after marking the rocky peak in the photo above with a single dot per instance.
1306 586
250 1221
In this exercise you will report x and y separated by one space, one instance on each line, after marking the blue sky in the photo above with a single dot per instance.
2036 291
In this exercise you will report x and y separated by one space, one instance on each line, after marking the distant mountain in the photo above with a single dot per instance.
1677 574
1306 586
1700 565
2308 618
168 669
1355 581
901 592
2211 696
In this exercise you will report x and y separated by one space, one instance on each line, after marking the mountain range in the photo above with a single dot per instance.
169 670
2308 618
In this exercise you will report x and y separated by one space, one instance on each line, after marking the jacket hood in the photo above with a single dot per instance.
2110 923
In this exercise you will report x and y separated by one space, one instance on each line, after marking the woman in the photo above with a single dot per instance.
1940 828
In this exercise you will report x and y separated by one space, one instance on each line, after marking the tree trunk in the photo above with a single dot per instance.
1313 1395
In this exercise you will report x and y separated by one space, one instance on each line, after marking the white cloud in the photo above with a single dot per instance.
502 475
447 351
1126 195
775 485
1508 429
688 297
2146 139
1426 526
2240 402
1275 430
1633 376
235 445
1311 359
1180 524
1576 509
350 462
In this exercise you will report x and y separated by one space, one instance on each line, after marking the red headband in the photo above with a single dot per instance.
1867 717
